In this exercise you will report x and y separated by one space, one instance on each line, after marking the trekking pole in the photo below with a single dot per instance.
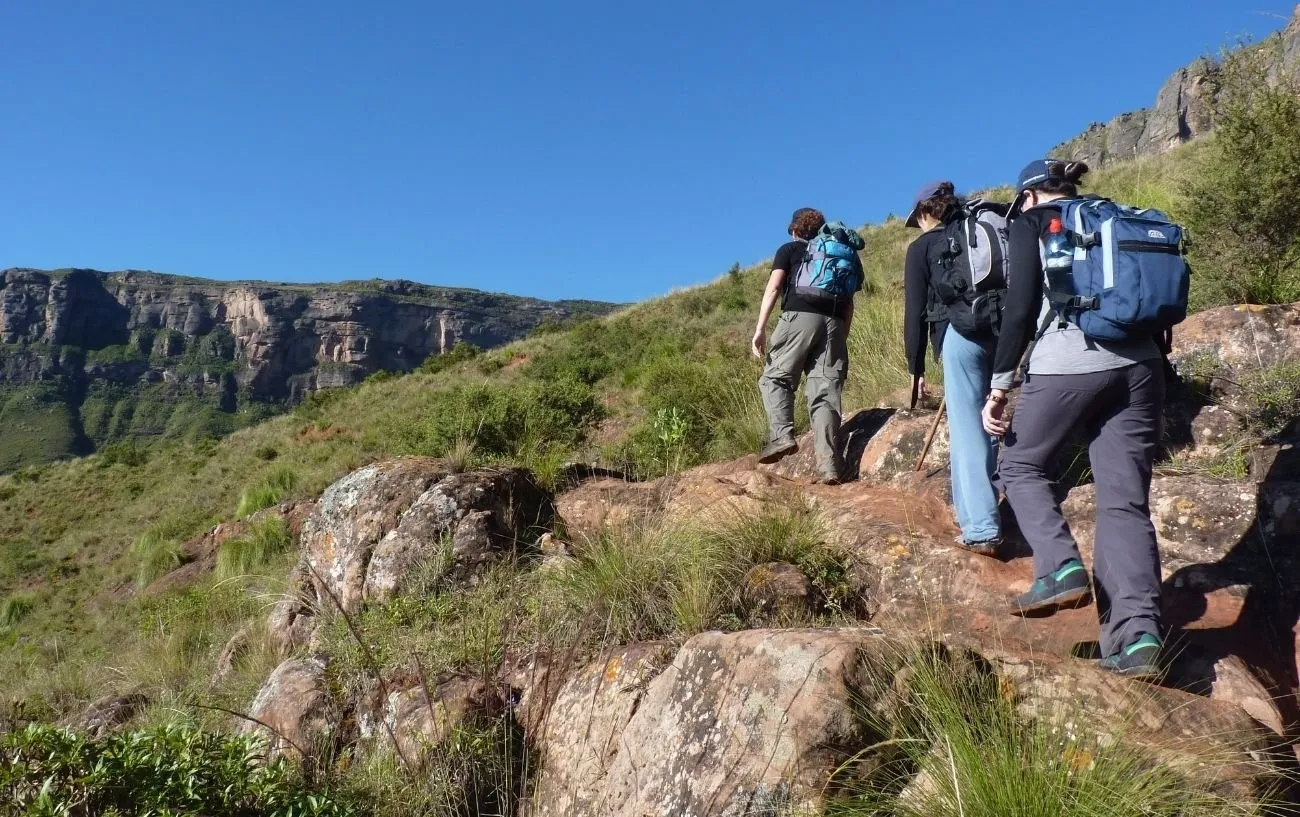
929 438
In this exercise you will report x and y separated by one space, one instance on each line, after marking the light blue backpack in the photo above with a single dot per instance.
1129 276
830 267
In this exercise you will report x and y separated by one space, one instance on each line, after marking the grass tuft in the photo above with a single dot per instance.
156 555
252 552
267 492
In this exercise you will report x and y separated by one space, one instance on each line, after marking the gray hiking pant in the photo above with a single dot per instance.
815 345
1120 411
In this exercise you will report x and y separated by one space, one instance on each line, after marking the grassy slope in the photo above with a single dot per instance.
66 530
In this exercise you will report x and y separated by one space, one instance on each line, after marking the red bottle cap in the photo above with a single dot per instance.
1054 226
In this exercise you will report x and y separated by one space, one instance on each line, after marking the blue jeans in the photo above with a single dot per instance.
967 370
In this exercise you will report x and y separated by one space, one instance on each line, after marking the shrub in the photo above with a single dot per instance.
459 353
266 453
177 770
268 491
503 421
1273 397
1242 207
155 555
124 453
245 555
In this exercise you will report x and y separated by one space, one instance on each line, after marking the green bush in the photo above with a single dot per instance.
1273 397
124 453
173 770
245 555
459 353
1241 204
268 491
500 422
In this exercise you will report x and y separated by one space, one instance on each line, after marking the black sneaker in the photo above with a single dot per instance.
1141 659
1065 589
983 547
778 450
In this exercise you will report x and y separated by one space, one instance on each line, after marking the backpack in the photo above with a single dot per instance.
830 265
973 268
1128 277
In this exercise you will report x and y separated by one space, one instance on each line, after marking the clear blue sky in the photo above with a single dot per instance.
560 149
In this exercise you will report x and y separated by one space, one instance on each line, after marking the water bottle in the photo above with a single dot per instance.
1058 249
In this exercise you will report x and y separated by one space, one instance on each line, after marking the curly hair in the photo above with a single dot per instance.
807 223
943 205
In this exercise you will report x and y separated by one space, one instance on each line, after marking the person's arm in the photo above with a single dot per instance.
775 283
916 290
1020 312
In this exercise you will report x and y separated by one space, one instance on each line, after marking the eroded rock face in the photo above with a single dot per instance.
421 722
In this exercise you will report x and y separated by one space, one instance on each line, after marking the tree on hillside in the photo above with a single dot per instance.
1243 200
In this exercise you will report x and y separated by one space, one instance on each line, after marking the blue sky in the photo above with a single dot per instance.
559 149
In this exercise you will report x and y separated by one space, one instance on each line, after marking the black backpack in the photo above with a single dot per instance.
969 269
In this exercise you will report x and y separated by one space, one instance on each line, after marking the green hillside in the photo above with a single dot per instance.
649 390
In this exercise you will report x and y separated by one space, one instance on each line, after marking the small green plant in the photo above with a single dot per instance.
1273 397
173 770
268 491
670 429
14 609
155 555
245 555
266 453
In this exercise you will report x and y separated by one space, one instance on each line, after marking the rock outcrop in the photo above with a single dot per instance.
1184 108
87 337
384 528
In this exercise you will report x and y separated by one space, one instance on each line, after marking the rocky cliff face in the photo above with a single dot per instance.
1184 108
76 346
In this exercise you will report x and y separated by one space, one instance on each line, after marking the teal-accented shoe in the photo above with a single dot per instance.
1141 659
1065 589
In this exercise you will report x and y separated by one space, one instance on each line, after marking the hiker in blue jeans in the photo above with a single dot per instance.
965 349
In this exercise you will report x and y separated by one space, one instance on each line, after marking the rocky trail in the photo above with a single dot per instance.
762 721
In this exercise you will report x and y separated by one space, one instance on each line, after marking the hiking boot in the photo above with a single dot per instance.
982 547
829 479
778 450
1065 589
1140 660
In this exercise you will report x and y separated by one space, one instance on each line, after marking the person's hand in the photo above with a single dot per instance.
994 410
759 344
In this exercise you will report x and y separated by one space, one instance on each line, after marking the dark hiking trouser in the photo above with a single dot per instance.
816 345
1120 411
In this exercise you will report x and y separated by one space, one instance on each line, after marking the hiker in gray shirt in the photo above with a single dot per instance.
815 275
1111 391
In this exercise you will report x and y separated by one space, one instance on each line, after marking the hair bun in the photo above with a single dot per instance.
1075 171
945 189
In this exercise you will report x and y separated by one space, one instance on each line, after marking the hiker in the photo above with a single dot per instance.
1109 385
947 293
816 275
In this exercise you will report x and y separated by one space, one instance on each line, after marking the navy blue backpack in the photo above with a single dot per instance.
1129 276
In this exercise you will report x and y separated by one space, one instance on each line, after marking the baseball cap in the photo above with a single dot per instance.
927 192
1037 172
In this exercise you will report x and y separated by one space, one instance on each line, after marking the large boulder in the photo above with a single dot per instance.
108 713
1232 341
390 526
296 713
421 719
764 722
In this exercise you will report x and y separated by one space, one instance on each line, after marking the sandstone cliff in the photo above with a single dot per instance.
1183 110
88 357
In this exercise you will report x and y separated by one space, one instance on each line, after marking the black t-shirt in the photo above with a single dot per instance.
789 257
